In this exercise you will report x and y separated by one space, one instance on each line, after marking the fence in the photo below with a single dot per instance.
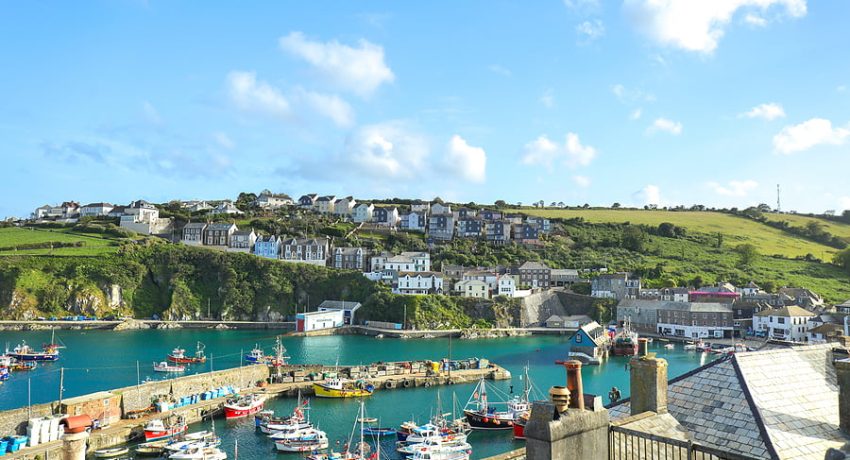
626 444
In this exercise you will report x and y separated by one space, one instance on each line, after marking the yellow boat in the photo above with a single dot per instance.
336 388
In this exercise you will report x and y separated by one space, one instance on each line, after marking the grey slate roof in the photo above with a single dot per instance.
780 403
199 225
221 226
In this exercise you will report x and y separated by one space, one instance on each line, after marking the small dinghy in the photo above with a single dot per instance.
150 449
380 432
111 452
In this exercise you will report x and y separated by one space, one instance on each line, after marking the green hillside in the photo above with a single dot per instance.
55 241
736 230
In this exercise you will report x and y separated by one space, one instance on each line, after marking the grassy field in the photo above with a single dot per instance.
838 229
736 230
92 244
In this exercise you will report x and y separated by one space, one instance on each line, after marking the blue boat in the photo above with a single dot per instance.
24 352
371 431
4 373
256 356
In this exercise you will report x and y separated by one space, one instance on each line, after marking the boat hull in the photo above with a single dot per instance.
519 430
34 356
326 392
480 421
154 435
239 412
629 350
298 446
184 360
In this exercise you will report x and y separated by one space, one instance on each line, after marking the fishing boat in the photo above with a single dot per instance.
111 452
359 451
162 429
279 359
199 453
299 419
339 388
165 367
24 352
6 360
4 374
521 418
256 356
625 343
519 426
690 346
178 355
243 406
483 414
406 429
309 441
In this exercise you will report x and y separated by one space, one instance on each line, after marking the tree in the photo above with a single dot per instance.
500 203
842 259
616 206
634 238
719 242
748 253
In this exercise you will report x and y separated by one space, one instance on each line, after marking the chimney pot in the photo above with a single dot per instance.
643 346
574 384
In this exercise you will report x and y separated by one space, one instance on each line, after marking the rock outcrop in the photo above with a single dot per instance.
130 325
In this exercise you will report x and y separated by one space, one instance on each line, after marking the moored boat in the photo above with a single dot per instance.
150 449
625 343
379 432
24 365
256 356
309 441
165 367
178 355
111 452
244 406
483 414
339 388
24 352
164 429
199 453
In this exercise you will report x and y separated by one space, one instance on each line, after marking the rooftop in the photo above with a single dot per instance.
792 310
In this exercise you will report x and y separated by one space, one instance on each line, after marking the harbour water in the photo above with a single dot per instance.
102 360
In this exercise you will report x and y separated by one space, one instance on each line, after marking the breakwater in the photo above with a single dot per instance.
136 404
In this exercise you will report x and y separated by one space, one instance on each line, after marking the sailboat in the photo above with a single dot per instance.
359 452
522 418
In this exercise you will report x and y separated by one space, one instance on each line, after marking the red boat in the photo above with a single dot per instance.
625 342
244 406
178 355
159 429
519 426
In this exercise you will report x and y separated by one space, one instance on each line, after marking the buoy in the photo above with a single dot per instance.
510 423
406 384
486 420
427 384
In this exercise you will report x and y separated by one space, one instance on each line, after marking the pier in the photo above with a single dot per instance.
273 382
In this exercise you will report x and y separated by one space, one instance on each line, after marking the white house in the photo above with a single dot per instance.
506 285
195 206
404 262
414 222
363 212
325 204
226 207
318 320
269 200
143 217
420 206
676 294
438 208
344 206
486 277
786 323
473 289
419 283
96 209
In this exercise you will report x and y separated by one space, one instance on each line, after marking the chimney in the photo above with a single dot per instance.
842 372
648 381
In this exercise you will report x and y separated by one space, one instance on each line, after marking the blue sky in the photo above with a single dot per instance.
642 101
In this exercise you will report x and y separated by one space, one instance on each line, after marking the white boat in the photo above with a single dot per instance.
379 336
199 453
437 449
690 346
111 452
308 442
288 431
166 367
669 346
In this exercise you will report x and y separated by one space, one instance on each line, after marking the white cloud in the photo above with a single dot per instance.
543 151
665 125
548 99
755 20
697 25
769 111
582 181
808 134
583 6
497 69
360 69
151 114
631 95
844 203
251 95
589 31
651 194
327 105
577 154
387 150
734 188
223 140
635 115
467 161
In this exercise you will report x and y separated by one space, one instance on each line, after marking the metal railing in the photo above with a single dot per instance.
627 444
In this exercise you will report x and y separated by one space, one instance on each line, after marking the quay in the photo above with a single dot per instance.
46 325
134 405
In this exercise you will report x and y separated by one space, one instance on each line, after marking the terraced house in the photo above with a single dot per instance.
351 259
313 251
219 234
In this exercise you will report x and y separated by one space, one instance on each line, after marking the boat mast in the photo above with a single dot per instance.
362 415
483 401
527 387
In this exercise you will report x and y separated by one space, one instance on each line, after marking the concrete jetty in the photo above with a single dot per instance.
287 381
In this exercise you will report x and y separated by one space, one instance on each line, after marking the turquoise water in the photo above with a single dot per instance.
101 360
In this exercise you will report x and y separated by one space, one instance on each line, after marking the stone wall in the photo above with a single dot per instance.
536 308
136 398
